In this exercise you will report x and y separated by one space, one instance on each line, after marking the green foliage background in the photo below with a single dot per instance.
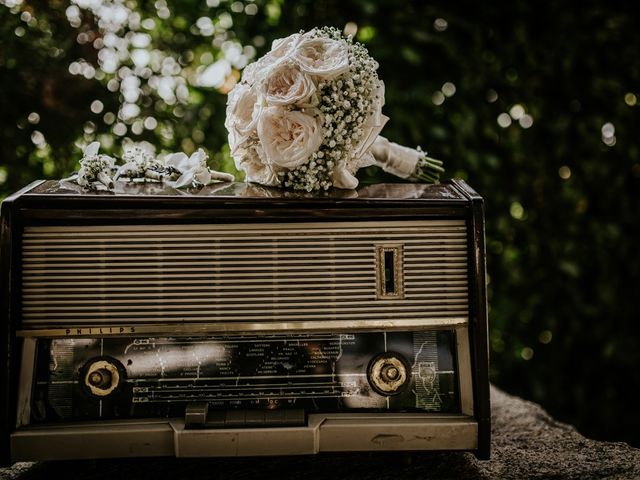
561 195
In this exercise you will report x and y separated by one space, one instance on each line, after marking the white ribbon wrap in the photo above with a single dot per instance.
395 159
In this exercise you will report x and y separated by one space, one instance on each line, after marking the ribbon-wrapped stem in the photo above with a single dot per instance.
105 179
154 174
404 162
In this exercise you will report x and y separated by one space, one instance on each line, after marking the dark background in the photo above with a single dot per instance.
534 104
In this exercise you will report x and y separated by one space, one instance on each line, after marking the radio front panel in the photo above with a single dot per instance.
141 377
237 321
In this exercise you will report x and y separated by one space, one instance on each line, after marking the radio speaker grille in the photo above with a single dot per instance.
97 275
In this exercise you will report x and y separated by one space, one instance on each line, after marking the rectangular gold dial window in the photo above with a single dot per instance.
389 274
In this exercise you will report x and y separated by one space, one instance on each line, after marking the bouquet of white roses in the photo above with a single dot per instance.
308 114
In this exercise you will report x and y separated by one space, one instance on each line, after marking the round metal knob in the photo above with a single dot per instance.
389 373
101 377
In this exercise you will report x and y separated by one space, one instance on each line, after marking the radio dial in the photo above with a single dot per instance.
102 377
389 373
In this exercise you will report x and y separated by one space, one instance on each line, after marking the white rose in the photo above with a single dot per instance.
322 56
283 47
255 167
289 137
256 71
250 73
286 84
243 110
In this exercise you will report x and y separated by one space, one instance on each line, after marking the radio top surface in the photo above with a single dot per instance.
449 191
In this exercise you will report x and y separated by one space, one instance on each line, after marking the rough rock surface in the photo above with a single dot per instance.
527 443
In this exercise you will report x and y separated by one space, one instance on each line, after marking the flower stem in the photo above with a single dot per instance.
428 170
105 180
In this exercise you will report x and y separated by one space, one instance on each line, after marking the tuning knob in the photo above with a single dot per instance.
389 373
101 377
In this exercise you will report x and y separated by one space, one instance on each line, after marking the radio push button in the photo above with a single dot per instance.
102 376
388 373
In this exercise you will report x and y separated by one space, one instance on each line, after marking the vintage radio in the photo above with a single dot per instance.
241 320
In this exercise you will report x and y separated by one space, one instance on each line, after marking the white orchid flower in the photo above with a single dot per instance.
91 150
194 170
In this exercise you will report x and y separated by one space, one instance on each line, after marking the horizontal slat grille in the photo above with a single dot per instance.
96 275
